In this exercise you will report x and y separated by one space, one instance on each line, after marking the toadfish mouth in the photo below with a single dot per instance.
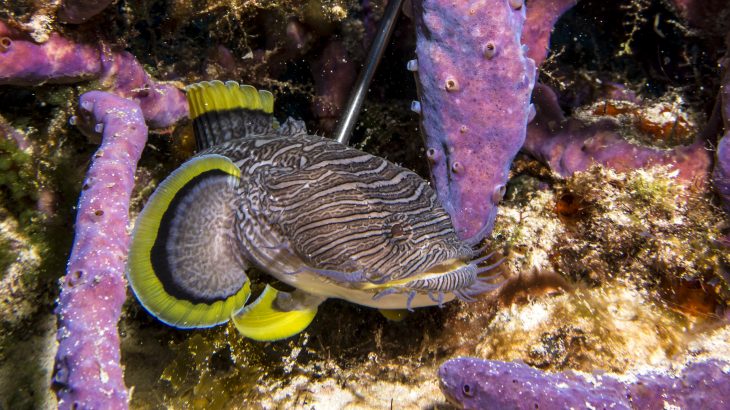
463 280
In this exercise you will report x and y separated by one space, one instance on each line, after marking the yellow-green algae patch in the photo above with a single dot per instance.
612 327
323 367
25 381
18 185
642 227
20 261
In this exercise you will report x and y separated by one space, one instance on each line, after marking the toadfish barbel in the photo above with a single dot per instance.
327 219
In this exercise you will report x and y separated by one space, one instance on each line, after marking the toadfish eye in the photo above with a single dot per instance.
396 230
467 390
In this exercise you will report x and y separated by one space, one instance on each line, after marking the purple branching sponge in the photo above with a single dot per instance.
87 370
474 84
569 146
488 384
62 61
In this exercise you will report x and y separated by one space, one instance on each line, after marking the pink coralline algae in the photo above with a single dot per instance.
485 384
62 61
541 17
333 75
87 372
474 84
79 11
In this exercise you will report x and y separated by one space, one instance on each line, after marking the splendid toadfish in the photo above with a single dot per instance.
324 218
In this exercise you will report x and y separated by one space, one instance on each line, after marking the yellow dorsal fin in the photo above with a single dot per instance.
228 111
209 96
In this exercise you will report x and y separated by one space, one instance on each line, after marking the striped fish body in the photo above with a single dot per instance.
330 220
336 221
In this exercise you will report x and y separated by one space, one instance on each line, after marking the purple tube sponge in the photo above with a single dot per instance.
569 146
721 173
87 369
474 87
62 61
485 384
162 104
58 61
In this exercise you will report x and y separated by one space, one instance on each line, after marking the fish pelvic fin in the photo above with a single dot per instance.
184 264
277 315
394 315
225 111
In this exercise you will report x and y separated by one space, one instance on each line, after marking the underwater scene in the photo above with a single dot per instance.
364 204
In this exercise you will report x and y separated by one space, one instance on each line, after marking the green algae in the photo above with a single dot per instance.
612 328
645 227
643 273
200 375
18 185
642 227
7 256
345 353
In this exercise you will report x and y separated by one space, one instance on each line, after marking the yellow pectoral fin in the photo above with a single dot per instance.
263 322
394 315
